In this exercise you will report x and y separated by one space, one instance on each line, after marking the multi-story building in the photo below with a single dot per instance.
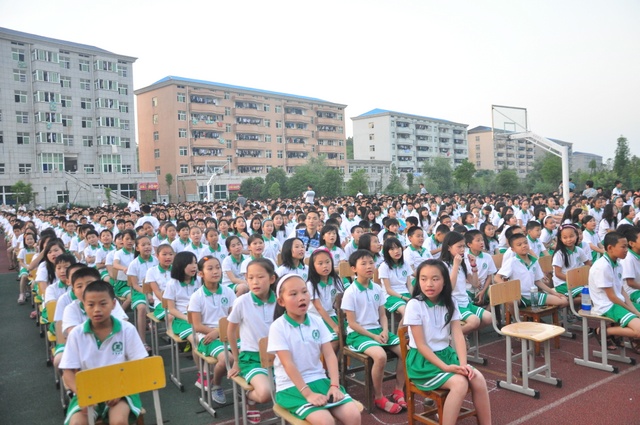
66 121
212 134
582 161
496 155
408 140
378 173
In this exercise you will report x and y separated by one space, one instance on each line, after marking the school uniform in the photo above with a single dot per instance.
337 254
326 294
486 267
414 257
74 314
254 317
211 306
547 236
303 341
121 286
431 243
250 258
83 352
577 257
631 270
597 214
592 238
272 247
91 251
302 270
364 302
179 245
22 256
350 248
397 276
220 252
460 295
161 277
603 228
437 335
536 246
139 268
180 293
198 250
515 268
606 273
230 264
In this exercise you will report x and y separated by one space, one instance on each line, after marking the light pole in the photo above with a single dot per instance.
45 197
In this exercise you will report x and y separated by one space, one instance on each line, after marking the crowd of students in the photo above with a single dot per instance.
272 267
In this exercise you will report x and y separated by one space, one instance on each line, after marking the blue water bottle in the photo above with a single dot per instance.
586 299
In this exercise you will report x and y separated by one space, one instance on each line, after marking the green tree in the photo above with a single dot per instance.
621 161
593 165
440 173
23 191
464 174
410 186
252 187
275 175
550 168
483 182
169 179
349 147
507 182
395 186
316 173
274 190
332 183
107 195
358 183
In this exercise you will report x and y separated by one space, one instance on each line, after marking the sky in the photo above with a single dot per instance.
574 65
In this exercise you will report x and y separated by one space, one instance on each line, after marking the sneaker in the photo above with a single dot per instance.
21 299
202 382
218 395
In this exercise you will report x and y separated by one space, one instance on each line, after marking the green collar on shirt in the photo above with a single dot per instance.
257 301
614 264
480 255
632 252
531 257
142 260
361 287
430 303
208 293
163 270
190 283
435 241
61 285
125 251
233 259
295 324
117 327
215 250
196 246
329 282
531 239
419 251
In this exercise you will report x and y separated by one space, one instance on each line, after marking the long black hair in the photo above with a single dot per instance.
610 216
389 244
561 247
445 296
451 239
315 278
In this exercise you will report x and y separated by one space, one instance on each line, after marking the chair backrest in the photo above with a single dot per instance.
502 293
146 288
279 259
222 330
376 277
119 380
545 263
497 260
266 358
341 320
51 310
577 277
403 334
344 269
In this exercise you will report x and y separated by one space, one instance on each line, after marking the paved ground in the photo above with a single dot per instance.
28 394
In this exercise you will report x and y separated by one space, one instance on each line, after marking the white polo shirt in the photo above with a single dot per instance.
397 276
125 258
547 235
247 260
161 277
63 301
180 293
83 351
350 248
577 258
535 245
326 294
515 268
91 251
55 291
254 317
630 270
524 216
432 317
414 257
304 342
74 314
220 253
365 303
272 247
179 246
302 270
459 286
199 251
230 264
212 305
485 266
604 273
139 268
337 254
432 244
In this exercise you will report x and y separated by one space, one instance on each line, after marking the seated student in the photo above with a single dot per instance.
568 255
548 234
351 246
396 276
363 303
376 228
93 247
534 230
231 266
196 246
391 225
415 254
369 242
214 247
298 339
256 245
434 243
481 263
183 241
608 296
28 252
293 253
59 286
525 267
434 321
118 342
330 239
208 304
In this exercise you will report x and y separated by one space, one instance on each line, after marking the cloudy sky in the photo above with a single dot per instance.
575 65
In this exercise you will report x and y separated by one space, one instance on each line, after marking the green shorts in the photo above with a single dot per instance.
294 402
334 336
121 288
562 289
212 349
102 410
250 366
472 298
470 310
424 374
23 272
620 315
159 312
359 343
394 303
59 349
542 300
137 298
181 328
635 296
104 273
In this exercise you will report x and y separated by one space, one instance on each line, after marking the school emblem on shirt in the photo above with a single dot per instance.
222 256
304 276
333 292
446 317
404 273
116 348
484 266
316 335
376 297
619 275
224 301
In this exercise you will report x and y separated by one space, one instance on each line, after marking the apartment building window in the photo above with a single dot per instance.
227 95
124 107
278 139
372 136
20 96
44 55
17 54
102 65
87 141
227 111
229 144
156 136
85 84
182 97
123 71
83 65
156 153
67 139
85 103
24 168
2 168
393 135
125 143
111 163
20 75
267 138
89 168
267 153
123 89
155 118
157 171
101 84
22 117
65 82
266 107
267 123
182 115
372 148
105 103
48 138
23 138
477 138
279 154
65 62
184 168
67 120
63 196
341 156
108 122
1 137
182 151
182 133
227 128
65 101
278 109
125 124
109 140
51 161
278 124
126 169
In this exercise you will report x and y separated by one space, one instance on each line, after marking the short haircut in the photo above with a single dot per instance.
630 232
531 225
514 237
470 236
86 272
99 286
611 239
354 228
91 232
181 225
230 239
357 255
180 262
66 258
442 228
412 220
413 230
391 222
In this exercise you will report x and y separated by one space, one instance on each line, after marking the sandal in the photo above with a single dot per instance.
253 416
635 345
383 403
398 397
611 345
149 350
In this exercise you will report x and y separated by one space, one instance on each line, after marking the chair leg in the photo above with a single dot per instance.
473 354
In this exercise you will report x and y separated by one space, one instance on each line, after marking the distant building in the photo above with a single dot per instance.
496 155
67 122
409 141
202 131
581 161
378 173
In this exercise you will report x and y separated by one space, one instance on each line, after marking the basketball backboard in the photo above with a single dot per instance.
508 119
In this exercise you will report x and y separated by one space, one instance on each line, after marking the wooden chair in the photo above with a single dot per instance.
266 360
279 259
119 380
439 396
175 340
344 270
580 277
346 356
154 324
50 340
529 333
497 260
